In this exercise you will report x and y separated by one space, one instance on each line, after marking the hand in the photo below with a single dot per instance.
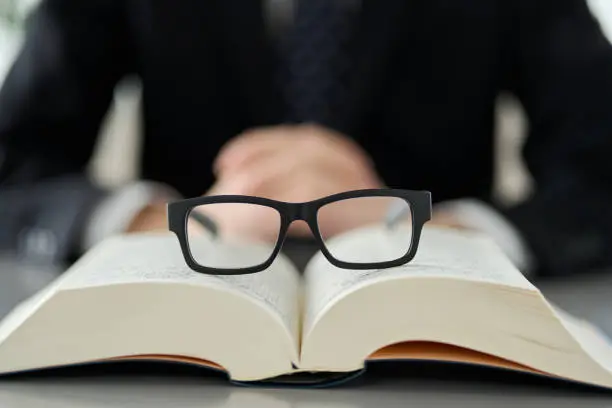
151 218
446 220
294 164
268 162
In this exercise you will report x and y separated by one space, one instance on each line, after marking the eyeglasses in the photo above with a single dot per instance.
381 228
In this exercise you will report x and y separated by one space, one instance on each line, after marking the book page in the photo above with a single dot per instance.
23 310
443 253
592 340
158 258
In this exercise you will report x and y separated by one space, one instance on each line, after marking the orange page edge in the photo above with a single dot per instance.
411 350
433 351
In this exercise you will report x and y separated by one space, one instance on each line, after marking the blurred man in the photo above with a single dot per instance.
294 100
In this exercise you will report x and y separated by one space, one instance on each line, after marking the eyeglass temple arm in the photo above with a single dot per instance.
206 222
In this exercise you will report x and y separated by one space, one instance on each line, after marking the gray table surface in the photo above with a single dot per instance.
586 296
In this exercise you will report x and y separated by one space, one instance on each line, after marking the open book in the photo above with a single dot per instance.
459 300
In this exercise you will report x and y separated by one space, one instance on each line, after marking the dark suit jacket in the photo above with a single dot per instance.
425 77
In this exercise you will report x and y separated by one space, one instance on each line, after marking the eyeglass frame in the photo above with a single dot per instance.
178 212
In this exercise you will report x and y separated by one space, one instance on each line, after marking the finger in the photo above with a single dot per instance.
251 145
334 141
297 149
264 177
240 150
299 140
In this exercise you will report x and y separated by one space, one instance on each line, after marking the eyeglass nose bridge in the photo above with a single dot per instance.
302 212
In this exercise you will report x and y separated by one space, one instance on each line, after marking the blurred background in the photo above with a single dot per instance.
115 161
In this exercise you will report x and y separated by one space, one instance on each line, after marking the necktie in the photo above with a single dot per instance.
317 61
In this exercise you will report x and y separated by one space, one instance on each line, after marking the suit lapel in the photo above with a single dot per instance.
377 32
251 58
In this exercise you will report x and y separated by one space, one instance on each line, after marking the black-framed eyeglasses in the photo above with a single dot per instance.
388 238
